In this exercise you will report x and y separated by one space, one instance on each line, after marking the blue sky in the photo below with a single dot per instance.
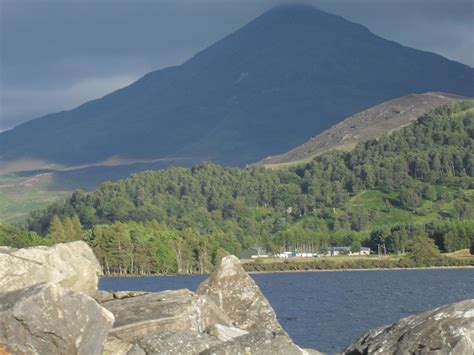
57 54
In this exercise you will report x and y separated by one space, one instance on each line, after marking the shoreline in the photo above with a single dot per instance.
310 270
367 269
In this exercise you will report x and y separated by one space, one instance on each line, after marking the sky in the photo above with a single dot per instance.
57 54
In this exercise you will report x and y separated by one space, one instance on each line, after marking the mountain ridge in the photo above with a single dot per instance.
369 124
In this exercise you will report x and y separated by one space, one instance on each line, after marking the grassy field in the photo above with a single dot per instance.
341 147
388 212
21 194
384 209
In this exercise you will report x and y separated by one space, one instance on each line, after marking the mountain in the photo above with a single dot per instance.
368 124
287 75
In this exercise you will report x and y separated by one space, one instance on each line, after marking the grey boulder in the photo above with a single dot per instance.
48 319
72 265
103 296
237 294
153 313
224 333
262 342
180 342
445 330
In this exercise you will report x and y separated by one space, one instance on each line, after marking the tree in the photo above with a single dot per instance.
78 231
410 199
355 248
56 230
422 249
359 220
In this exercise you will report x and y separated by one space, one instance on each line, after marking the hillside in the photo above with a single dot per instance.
369 124
416 183
262 90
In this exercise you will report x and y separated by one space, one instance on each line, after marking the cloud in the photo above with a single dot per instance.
41 101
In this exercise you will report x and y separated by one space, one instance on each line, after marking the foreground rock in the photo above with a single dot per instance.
71 265
444 330
179 342
153 313
234 291
228 314
223 333
47 319
257 343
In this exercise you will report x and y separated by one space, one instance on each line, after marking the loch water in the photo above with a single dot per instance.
329 310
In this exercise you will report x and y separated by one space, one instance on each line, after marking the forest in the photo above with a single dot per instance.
415 184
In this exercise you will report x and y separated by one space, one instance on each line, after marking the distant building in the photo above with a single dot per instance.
304 255
285 255
253 253
334 251
363 251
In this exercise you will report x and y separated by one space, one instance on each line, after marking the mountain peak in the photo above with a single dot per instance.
282 78
298 14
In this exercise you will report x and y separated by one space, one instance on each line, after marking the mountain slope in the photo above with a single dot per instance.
292 72
368 124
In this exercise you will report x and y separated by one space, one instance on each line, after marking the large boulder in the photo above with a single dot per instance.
180 342
153 313
445 330
48 319
263 342
237 294
224 333
72 265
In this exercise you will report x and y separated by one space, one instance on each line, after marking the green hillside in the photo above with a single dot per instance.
416 185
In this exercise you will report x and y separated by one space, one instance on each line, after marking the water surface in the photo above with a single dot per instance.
329 310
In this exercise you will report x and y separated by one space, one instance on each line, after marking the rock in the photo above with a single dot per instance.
115 346
235 292
311 352
224 333
48 319
103 296
180 342
152 313
136 350
127 294
445 330
72 265
257 343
